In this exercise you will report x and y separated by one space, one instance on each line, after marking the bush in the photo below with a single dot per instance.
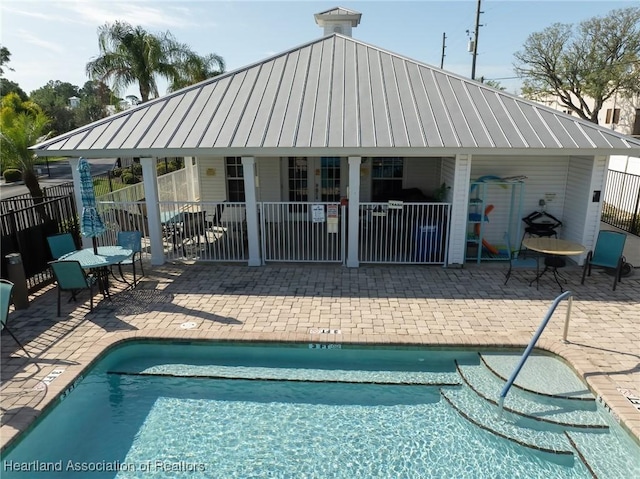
116 172
161 169
11 175
129 179
136 169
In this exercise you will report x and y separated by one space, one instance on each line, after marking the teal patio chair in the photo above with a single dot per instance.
61 244
6 290
521 259
131 240
607 254
71 277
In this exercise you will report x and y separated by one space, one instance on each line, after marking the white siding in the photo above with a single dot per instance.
587 175
213 185
269 181
547 179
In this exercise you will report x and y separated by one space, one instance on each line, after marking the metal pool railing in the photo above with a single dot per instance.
534 340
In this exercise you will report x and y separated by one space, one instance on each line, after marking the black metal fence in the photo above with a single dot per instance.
621 206
25 229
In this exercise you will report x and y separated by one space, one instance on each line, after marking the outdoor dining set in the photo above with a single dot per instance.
78 269
543 244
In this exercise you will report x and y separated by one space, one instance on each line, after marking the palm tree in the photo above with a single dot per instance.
131 55
22 124
195 69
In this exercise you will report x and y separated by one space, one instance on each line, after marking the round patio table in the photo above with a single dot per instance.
553 248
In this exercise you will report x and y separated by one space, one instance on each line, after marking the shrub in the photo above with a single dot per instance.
11 175
136 169
129 179
161 169
116 172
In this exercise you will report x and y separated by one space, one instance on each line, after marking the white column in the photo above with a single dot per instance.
75 174
150 179
459 210
188 166
249 171
354 212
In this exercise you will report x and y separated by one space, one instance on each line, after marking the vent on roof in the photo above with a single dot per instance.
338 20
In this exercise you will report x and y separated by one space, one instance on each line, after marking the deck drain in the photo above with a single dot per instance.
324 331
188 325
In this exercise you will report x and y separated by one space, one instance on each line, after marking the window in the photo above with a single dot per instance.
386 174
235 178
613 115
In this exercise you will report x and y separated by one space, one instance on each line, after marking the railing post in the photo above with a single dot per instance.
566 320
530 347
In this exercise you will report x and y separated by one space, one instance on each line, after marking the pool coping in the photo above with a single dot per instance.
605 390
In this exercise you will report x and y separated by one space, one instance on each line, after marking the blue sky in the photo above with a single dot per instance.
53 40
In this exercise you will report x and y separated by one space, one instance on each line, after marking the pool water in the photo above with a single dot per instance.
226 410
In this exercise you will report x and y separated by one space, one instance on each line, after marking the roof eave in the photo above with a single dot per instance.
339 151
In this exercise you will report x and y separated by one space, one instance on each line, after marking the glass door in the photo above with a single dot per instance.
328 179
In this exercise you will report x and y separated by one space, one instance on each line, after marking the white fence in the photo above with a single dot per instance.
303 232
414 233
174 186
409 233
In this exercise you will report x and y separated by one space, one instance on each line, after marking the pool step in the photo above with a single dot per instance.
421 378
541 375
485 415
604 455
544 410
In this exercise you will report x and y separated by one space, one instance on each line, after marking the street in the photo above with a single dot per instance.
60 172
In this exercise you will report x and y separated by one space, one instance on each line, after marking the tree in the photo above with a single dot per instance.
583 66
5 56
130 55
53 98
493 84
195 69
7 86
94 98
22 124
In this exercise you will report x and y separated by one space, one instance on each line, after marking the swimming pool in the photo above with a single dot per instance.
308 410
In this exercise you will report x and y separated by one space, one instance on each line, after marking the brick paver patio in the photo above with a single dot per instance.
372 304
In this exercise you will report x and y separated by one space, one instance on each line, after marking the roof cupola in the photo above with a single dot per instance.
338 20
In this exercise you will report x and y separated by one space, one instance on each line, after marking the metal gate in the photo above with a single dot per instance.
303 232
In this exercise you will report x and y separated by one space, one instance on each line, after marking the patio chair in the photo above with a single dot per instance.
6 290
61 244
131 240
521 259
607 254
71 277
194 228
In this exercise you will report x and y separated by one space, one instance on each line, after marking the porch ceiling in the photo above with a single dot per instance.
340 96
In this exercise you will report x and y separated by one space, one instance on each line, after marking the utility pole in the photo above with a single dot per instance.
444 39
475 42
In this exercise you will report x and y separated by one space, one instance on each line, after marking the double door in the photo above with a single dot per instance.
312 179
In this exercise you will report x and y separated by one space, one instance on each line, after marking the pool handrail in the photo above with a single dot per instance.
532 343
